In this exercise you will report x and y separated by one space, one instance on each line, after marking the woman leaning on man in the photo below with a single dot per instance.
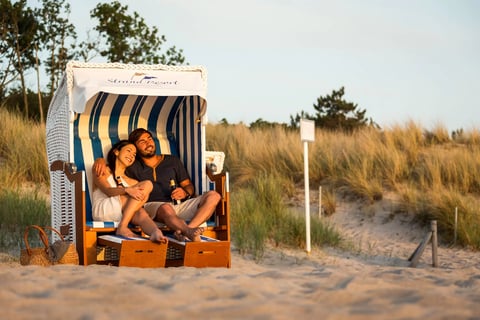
119 198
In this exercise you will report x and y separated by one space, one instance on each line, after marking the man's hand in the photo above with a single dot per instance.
179 194
99 167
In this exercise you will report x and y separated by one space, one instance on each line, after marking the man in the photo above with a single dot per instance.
161 169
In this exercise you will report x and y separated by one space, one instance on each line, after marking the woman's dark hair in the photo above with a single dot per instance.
111 157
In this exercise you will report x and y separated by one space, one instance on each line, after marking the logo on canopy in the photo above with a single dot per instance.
140 76
142 79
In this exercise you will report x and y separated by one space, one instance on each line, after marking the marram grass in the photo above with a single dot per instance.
432 173
260 216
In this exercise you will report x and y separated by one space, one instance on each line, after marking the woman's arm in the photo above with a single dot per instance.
102 183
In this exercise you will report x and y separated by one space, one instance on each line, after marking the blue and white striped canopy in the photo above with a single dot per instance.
111 117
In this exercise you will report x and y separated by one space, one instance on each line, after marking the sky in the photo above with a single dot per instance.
401 61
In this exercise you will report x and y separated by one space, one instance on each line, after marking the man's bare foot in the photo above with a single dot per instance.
179 236
193 234
124 232
157 236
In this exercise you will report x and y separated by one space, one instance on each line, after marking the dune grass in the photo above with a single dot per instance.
17 211
23 157
260 216
431 173
23 180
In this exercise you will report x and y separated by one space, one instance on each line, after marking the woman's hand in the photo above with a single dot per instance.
136 192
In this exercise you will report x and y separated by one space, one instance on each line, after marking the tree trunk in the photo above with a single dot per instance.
39 92
20 68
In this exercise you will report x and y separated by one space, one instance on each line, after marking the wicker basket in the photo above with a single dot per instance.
43 256
71 255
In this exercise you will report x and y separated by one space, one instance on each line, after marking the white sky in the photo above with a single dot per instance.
400 60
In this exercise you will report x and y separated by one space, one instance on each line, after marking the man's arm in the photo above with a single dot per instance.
188 188
99 167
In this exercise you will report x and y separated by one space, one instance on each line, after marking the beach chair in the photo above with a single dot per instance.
99 104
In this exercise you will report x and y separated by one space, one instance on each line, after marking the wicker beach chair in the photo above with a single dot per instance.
99 104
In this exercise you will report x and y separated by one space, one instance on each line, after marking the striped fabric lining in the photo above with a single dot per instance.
109 118
102 224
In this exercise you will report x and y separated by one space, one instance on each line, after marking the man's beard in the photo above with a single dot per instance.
147 154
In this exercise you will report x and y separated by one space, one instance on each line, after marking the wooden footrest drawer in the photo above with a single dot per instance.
136 252
206 253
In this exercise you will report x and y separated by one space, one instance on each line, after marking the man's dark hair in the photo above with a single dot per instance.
135 134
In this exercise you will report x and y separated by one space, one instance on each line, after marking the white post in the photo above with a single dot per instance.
307 195
320 201
455 227
307 133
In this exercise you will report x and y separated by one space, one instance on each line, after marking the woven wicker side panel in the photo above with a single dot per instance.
63 203
58 148
58 126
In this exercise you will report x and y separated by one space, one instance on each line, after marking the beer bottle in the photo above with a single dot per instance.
173 186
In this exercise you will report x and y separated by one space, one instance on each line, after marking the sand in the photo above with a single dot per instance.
372 280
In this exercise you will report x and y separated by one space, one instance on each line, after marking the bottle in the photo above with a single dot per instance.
173 186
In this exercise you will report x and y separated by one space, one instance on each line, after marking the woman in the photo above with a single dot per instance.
117 197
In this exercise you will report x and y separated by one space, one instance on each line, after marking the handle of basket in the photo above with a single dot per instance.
56 231
43 236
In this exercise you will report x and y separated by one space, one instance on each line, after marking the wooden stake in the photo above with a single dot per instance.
415 257
433 225
431 235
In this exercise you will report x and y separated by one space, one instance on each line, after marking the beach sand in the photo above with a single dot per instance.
371 281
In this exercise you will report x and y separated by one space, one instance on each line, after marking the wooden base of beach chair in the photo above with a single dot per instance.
202 254
89 249
136 253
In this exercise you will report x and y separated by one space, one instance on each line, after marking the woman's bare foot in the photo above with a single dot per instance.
124 232
157 236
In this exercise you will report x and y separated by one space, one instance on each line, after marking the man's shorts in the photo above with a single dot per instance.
185 210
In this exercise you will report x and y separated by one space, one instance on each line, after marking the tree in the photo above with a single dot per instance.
7 69
18 29
44 38
262 124
334 113
295 120
126 38
54 34
224 122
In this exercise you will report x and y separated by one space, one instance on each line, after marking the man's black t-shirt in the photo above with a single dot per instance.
170 168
